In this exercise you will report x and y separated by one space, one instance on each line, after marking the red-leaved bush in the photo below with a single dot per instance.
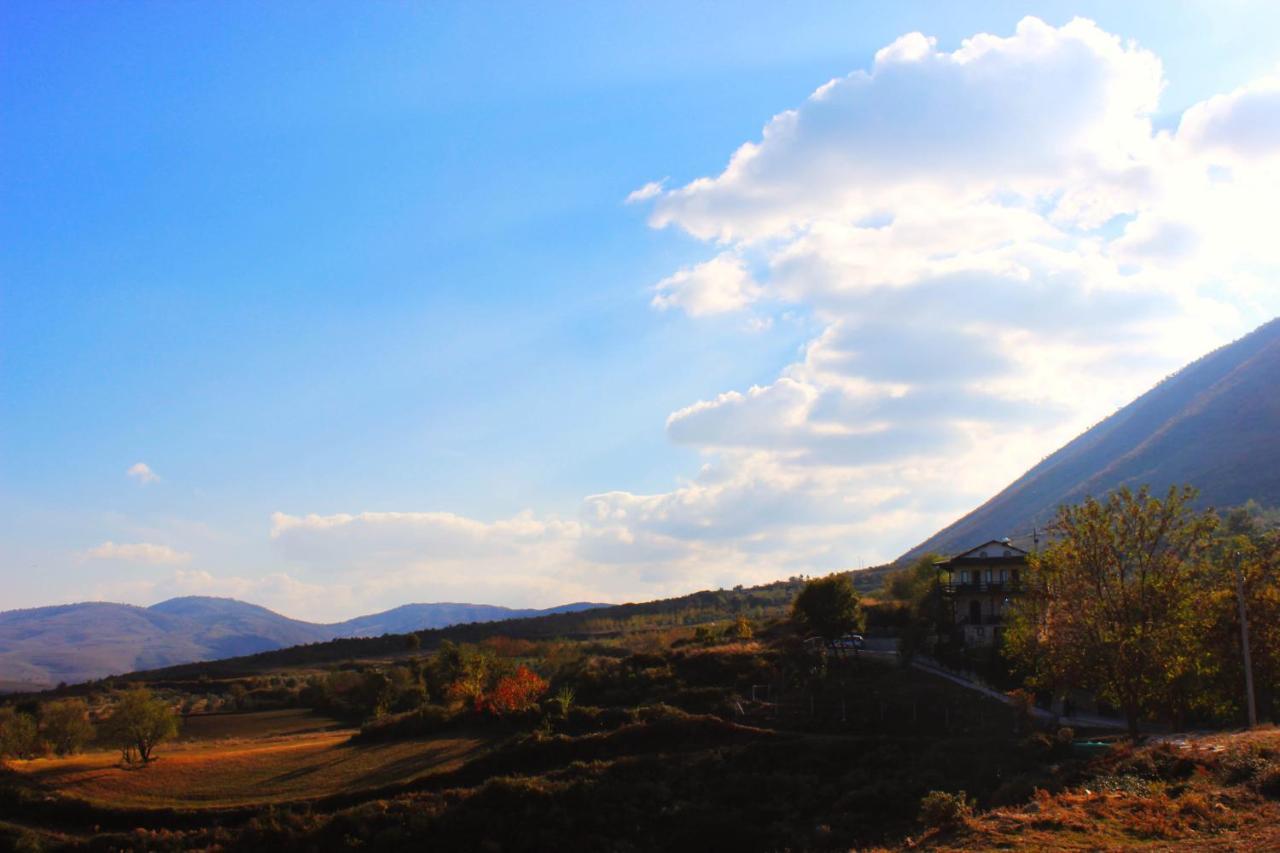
517 692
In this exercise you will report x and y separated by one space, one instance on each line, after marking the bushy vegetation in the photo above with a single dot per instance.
139 722
828 607
65 725
1135 601
943 809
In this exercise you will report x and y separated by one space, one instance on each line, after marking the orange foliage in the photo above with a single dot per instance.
519 691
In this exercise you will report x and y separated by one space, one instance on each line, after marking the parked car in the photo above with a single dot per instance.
850 641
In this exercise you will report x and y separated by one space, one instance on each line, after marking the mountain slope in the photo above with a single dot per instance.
1215 424
418 617
78 642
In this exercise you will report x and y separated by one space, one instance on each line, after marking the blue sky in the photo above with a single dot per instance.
373 266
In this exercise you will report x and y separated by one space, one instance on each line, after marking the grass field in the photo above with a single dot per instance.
1217 792
241 759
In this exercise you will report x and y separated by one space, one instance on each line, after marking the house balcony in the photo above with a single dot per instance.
985 619
992 587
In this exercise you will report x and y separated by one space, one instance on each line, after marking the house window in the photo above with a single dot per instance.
1004 575
982 553
1008 553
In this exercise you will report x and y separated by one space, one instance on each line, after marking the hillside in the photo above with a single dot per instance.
1214 424
43 646
419 617
681 744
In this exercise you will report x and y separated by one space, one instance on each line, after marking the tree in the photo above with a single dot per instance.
17 734
915 590
1113 605
516 692
139 722
1245 580
828 607
66 725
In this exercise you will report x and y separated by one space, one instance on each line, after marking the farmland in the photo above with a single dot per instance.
244 759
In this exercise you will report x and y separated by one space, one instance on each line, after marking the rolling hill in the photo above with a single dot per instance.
1215 425
77 642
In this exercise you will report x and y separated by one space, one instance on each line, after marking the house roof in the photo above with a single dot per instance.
995 552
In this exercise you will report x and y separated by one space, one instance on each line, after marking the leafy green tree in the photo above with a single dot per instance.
66 726
138 723
1246 566
18 734
828 607
1113 605
913 583
914 589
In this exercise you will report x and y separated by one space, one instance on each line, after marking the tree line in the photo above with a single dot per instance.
137 723
1155 607
1159 609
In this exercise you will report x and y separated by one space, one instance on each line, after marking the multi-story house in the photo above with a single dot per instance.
977 587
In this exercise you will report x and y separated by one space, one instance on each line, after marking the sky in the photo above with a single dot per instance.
334 307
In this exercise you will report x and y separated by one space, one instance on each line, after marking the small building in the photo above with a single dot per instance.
977 587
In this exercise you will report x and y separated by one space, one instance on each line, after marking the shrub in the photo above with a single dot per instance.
1269 782
1243 767
564 700
517 692
942 809
66 725
17 734
425 720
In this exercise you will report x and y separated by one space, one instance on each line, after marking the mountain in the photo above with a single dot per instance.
78 642
1215 425
418 617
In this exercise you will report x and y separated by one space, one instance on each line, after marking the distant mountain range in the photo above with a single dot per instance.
78 642
1215 425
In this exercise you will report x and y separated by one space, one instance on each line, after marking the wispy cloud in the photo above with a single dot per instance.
142 473
137 552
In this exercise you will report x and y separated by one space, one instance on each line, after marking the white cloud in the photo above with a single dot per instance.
941 216
1244 124
142 472
646 192
998 249
717 286
137 552
1021 113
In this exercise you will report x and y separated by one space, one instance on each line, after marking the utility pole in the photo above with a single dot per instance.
1244 644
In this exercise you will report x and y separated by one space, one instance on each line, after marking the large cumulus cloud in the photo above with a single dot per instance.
997 249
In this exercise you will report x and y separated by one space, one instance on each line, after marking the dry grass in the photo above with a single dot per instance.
1200 812
241 759
257 725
